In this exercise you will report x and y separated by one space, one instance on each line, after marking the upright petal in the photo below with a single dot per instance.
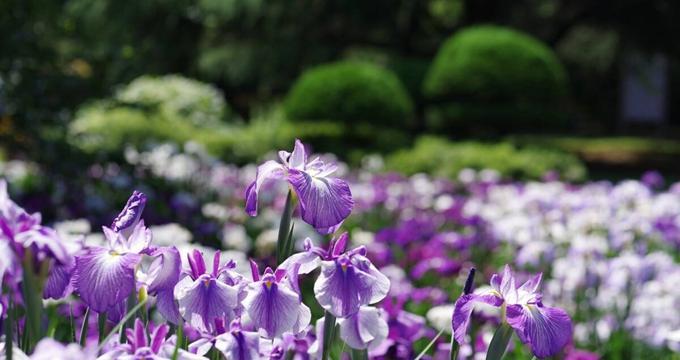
165 269
364 329
274 308
104 278
270 170
324 202
131 213
298 158
547 330
205 299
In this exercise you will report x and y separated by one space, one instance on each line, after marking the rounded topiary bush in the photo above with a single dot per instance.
513 74
352 93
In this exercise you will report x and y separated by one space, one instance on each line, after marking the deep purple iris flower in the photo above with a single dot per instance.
274 304
105 276
545 329
325 201
204 295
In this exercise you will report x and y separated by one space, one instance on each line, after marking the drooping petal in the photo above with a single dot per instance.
547 330
342 289
270 170
462 312
131 213
324 202
241 345
366 328
59 283
45 240
205 299
167 307
165 269
104 278
273 307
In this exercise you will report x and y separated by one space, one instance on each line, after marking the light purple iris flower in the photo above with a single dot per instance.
273 303
105 276
348 280
239 344
203 295
545 329
325 201
365 329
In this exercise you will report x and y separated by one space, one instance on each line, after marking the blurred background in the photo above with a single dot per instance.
581 89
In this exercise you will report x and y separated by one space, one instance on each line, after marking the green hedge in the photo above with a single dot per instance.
511 73
440 157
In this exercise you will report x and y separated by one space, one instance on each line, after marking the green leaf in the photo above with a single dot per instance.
429 345
101 322
359 354
499 342
282 245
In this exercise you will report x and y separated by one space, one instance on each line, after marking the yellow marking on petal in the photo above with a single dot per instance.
268 284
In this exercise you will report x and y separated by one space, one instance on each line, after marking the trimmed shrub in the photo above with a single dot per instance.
440 157
350 92
514 74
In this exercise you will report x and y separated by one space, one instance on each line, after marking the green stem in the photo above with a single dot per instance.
282 245
359 354
101 322
454 348
33 301
84 327
179 339
429 345
328 334
499 342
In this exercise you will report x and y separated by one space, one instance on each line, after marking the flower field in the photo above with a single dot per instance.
300 257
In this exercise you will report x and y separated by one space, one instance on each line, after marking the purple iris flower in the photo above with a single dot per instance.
239 344
365 329
203 295
325 201
147 343
274 305
348 280
547 330
105 276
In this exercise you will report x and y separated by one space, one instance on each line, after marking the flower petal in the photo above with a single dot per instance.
242 345
324 202
274 308
104 279
547 330
366 328
165 269
131 213
462 312
59 283
342 290
270 170
205 299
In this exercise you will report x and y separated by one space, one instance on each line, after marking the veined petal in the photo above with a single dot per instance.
131 213
324 202
462 312
58 283
273 307
307 260
342 290
366 328
298 158
205 299
140 238
547 330
165 269
104 278
270 170
167 307
241 345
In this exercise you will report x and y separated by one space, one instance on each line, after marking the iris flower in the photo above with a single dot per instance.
203 295
273 304
325 201
545 329
105 276
365 329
